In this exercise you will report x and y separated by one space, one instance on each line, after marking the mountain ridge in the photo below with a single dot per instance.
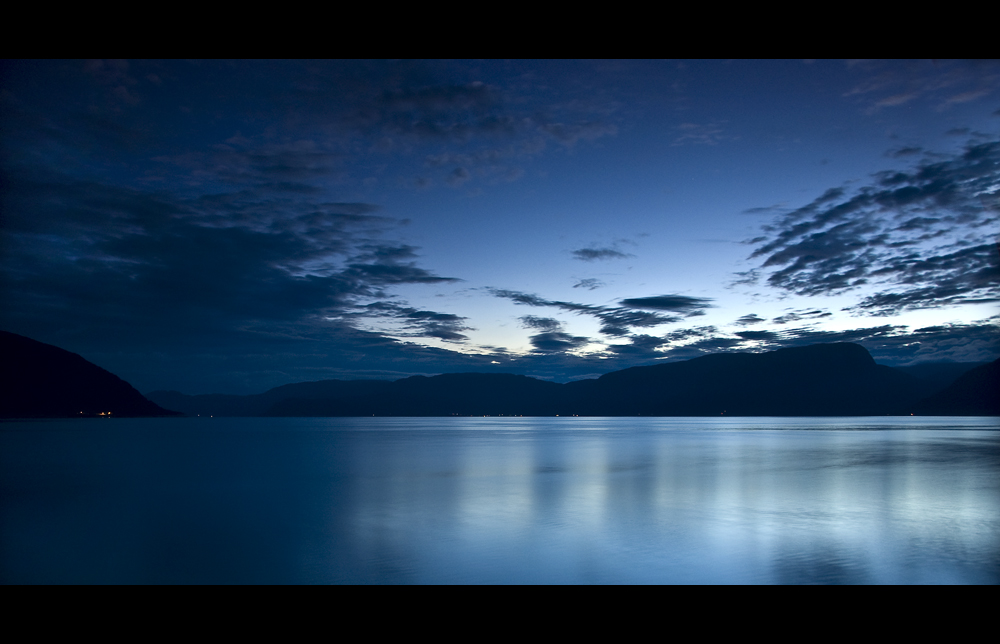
41 380
975 393
840 379
823 379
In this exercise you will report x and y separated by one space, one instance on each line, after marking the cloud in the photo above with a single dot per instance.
294 126
286 166
87 264
750 318
542 324
746 278
905 151
681 335
895 345
701 134
916 239
592 254
801 314
556 341
757 335
765 210
388 104
896 99
615 321
619 322
552 339
676 303
966 97
379 275
417 323
196 240
940 84
899 345
529 299
589 283
967 276
639 347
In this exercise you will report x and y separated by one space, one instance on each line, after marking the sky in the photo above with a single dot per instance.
231 226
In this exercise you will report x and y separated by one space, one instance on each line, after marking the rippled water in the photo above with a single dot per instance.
501 500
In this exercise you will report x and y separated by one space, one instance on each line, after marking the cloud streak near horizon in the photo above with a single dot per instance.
615 321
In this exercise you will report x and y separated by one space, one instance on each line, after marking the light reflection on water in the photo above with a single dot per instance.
502 500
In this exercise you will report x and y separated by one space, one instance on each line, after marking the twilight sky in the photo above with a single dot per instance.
233 226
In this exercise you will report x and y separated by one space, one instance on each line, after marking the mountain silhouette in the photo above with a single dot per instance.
309 393
43 381
819 380
450 394
975 393
938 375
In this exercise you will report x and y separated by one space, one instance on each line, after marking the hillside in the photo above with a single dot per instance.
43 381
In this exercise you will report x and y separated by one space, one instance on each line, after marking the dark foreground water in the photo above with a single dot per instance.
501 500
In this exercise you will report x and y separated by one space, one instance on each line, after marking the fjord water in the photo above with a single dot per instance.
501 500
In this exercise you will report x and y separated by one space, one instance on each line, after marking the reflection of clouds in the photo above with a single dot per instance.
489 500
495 487
585 496
679 500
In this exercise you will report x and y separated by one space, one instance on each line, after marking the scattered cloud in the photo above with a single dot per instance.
418 324
766 210
592 254
750 318
802 314
906 151
920 239
899 345
940 84
701 134
540 323
757 335
138 264
553 338
165 259
676 303
557 342
639 347
615 321
895 345
589 283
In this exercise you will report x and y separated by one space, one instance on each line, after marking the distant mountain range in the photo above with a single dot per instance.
41 380
819 380
975 393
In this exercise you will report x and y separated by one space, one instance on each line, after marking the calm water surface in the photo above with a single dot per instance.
501 500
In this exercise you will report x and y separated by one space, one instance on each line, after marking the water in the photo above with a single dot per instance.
501 500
